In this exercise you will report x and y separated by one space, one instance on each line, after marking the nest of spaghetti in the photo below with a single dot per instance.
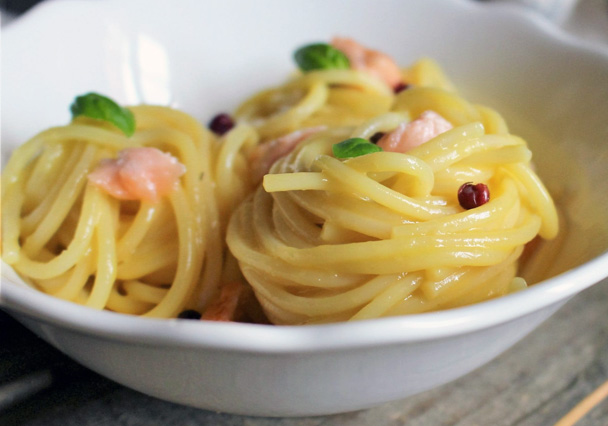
330 238
355 189
95 244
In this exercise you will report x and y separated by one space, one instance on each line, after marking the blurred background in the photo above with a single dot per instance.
586 19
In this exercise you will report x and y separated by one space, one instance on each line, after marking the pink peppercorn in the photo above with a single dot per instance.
221 124
472 195
400 87
376 137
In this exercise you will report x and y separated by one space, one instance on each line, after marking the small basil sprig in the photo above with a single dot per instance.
94 105
354 147
320 56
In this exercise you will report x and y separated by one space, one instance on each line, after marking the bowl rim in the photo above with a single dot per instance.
30 304
21 300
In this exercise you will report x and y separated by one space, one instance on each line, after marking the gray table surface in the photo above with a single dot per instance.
535 383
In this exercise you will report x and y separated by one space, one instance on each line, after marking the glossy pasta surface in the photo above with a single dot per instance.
327 239
269 209
75 241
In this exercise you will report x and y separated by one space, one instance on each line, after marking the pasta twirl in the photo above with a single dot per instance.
329 239
335 196
73 240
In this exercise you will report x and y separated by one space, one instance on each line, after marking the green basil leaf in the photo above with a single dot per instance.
320 56
94 105
354 147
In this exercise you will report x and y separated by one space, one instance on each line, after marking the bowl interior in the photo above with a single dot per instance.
551 89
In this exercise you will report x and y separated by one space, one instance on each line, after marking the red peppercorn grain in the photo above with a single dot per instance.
376 137
400 87
190 314
472 195
221 124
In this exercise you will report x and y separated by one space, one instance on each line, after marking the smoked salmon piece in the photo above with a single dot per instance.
142 173
414 133
371 61
265 154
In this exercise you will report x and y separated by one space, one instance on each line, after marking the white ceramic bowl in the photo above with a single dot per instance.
204 57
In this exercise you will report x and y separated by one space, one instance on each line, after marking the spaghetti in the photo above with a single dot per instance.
328 239
273 206
75 241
